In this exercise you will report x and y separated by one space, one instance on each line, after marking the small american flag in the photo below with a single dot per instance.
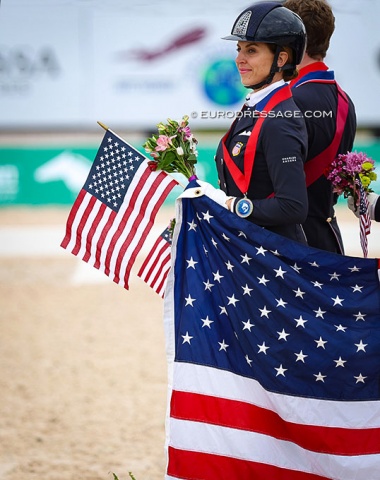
365 220
154 271
274 354
115 209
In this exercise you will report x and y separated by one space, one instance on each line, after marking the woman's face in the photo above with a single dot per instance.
254 61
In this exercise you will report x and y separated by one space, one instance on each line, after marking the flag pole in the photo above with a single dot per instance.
102 125
109 130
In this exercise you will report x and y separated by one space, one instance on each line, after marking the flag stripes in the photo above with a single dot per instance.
364 218
245 416
110 236
199 465
154 270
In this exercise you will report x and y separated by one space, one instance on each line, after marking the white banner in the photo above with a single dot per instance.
67 64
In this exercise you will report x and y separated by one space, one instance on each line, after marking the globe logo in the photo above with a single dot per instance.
222 83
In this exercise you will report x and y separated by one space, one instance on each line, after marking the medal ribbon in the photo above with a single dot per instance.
242 179
315 67
317 72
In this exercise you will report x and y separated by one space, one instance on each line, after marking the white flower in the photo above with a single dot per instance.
179 150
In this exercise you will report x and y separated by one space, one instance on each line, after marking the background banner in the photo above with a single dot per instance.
47 176
66 64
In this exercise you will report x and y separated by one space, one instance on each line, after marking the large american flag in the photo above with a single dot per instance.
274 354
115 210
155 268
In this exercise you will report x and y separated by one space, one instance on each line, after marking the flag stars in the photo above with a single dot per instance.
217 276
300 357
280 370
261 251
186 338
300 322
319 313
208 285
354 269
314 264
245 258
207 322
207 216
361 346
263 280
232 300
299 293
280 272
223 310
248 360
223 346
340 328
225 237
296 268
337 301
214 243
334 276
248 325
282 335
229 266
360 378
317 284
356 288
281 303
320 343
340 362
247 290
189 301
192 226
191 263
319 377
264 312
262 348
359 316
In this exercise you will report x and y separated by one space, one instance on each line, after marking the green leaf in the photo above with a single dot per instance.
192 158
167 159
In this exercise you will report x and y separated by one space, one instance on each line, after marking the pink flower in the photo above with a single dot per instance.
163 142
186 132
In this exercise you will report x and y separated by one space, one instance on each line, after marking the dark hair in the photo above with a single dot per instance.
319 21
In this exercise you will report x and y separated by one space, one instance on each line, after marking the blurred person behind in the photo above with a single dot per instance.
330 120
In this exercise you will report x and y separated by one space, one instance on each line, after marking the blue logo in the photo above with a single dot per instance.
222 83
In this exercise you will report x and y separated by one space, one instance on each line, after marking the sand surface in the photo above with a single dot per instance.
83 369
83 376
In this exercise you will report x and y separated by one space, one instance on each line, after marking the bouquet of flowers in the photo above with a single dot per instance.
346 171
173 149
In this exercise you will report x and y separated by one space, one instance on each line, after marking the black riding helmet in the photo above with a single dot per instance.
270 22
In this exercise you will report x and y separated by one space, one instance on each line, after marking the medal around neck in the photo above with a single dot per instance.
243 207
